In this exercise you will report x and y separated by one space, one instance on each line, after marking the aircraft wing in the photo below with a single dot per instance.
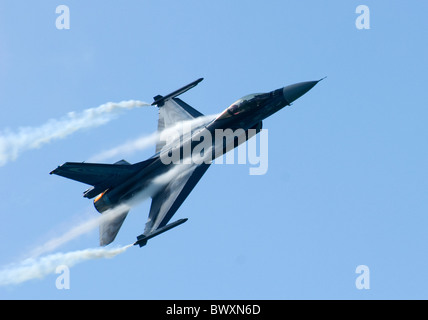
100 176
167 201
93 173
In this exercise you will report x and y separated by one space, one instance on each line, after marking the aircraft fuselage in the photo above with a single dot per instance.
245 114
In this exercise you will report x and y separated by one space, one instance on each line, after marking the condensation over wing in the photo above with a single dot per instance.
171 112
169 199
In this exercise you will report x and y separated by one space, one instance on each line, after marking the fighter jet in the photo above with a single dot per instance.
115 184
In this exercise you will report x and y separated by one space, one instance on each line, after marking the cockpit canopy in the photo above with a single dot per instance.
243 104
239 106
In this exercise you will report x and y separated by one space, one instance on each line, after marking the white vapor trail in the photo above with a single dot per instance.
39 265
127 148
78 230
12 144
146 141
37 268
155 185
89 225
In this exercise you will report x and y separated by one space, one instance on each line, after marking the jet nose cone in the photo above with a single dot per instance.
295 91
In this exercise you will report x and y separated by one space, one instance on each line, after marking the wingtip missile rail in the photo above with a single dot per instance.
159 100
142 238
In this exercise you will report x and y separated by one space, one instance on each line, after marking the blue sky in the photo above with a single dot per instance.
348 162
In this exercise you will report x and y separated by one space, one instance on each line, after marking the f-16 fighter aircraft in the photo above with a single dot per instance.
117 184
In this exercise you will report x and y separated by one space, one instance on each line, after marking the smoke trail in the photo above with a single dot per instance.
39 268
12 144
111 214
127 148
78 230
146 141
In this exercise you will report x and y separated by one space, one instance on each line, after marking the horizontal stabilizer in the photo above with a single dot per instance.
109 226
